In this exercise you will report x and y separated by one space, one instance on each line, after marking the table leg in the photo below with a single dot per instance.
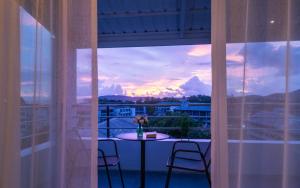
143 173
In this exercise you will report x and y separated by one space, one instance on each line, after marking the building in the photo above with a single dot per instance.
141 110
124 112
196 111
115 111
164 107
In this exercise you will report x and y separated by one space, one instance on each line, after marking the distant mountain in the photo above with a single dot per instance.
294 96
121 98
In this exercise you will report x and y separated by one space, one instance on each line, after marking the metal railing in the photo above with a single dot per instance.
34 123
108 115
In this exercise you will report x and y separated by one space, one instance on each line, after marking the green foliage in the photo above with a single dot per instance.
150 110
181 126
199 99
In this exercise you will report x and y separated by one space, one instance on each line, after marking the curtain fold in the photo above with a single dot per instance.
263 83
219 154
9 95
48 93
78 40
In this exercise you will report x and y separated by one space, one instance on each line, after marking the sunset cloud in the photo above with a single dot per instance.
85 79
111 90
186 70
195 87
157 71
235 58
200 50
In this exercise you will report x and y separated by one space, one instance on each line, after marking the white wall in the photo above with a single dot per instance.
157 153
263 157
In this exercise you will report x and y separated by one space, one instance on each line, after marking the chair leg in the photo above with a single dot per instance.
207 174
121 175
168 177
209 180
108 176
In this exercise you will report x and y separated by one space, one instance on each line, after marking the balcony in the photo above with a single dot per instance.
114 119
157 154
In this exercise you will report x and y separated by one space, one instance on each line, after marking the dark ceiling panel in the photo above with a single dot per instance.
129 23
172 22
265 20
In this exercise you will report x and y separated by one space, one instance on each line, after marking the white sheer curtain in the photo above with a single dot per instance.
48 93
9 95
219 168
263 92
78 56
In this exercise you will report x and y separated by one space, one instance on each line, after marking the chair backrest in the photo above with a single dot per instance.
192 147
207 154
208 150
108 146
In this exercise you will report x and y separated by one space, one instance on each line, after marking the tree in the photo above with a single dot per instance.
180 126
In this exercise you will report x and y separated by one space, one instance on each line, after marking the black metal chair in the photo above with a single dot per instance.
193 159
109 160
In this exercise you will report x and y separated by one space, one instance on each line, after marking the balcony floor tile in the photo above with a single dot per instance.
154 180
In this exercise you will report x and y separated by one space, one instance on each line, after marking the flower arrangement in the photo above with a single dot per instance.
141 120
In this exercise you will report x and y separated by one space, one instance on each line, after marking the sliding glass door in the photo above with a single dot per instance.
262 85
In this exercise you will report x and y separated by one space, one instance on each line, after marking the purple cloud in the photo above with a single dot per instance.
111 90
195 87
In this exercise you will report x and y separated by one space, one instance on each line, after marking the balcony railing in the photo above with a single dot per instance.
194 117
34 122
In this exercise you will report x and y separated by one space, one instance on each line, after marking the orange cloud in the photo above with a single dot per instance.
85 79
200 50
153 88
235 58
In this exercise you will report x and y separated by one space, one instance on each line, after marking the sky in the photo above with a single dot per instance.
162 71
172 71
176 71
34 36
266 65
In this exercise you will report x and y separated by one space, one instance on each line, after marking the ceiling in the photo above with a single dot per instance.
124 23
129 23
265 20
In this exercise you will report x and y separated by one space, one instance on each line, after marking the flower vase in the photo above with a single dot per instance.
140 131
